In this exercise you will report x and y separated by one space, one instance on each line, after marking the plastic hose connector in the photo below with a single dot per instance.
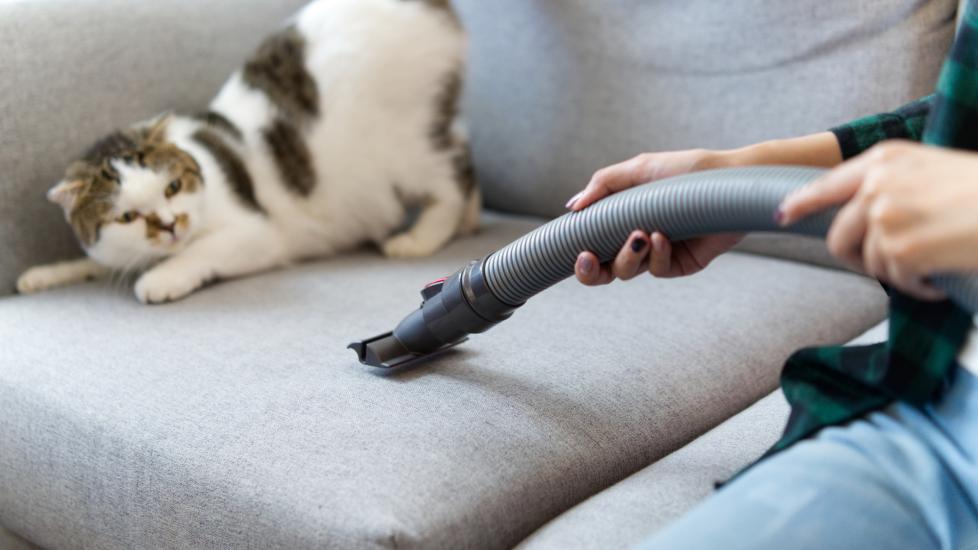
734 200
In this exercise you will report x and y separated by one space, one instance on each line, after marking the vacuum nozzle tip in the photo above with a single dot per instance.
387 352
383 351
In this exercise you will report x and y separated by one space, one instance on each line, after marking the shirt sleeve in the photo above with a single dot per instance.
907 122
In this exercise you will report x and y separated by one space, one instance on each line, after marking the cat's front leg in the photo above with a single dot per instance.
220 255
43 277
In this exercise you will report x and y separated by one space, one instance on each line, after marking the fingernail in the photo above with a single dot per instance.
586 265
570 203
779 216
638 244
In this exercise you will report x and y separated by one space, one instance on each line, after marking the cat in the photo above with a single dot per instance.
338 127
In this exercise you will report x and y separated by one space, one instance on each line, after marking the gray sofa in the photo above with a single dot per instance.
237 418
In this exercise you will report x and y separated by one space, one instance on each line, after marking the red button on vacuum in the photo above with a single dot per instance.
432 289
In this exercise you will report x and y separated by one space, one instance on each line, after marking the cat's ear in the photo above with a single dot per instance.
156 126
65 193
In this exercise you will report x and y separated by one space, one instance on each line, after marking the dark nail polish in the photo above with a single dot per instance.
638 244
778 216
586 265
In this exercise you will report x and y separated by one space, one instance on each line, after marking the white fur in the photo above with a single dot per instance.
378 65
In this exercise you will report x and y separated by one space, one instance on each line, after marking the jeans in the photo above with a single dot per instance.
898 478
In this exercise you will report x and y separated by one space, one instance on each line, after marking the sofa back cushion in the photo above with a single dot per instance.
560 88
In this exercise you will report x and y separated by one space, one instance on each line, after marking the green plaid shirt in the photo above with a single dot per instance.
833 385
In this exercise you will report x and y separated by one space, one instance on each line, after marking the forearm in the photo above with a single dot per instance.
821 150
828 149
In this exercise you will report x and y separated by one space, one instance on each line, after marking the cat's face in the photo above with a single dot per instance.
133 198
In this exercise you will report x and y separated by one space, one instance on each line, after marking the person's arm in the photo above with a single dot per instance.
820 150
654 252
665 259
843 142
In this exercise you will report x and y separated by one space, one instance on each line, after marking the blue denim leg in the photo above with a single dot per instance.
898 478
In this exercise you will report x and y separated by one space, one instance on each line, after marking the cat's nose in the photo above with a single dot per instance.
168 227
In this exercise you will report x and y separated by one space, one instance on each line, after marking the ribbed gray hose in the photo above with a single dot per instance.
734 200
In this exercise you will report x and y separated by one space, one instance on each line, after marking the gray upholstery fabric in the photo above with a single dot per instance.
560 88
237 418
626 513
73 70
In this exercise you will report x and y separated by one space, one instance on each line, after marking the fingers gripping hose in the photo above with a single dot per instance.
718 201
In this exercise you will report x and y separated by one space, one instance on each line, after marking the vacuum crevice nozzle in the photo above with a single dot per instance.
452 308
385 351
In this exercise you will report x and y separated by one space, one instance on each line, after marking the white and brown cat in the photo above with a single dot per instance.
338 126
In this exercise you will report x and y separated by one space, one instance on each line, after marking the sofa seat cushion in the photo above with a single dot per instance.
238 418
629 511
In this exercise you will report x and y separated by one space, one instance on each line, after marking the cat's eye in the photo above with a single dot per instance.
129 217
173 188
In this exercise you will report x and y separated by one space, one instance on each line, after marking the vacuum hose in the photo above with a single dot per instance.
487 291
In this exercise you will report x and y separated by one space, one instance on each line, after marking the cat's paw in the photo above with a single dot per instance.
39 278
158 286
407 245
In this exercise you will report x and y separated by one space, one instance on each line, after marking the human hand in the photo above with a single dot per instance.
910 211
654 252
